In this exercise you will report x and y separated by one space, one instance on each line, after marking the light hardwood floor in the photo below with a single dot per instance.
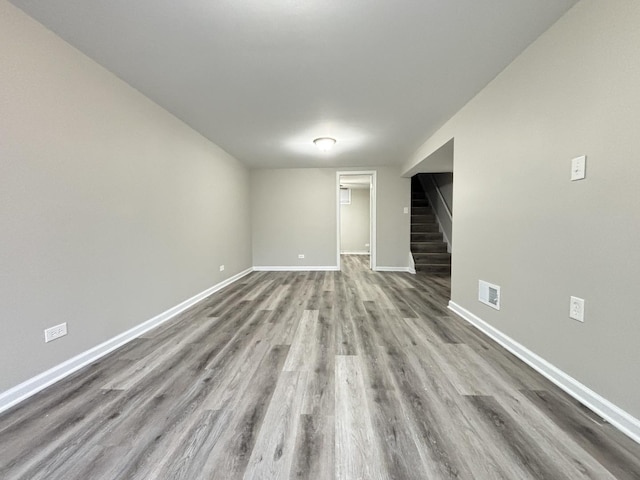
316 375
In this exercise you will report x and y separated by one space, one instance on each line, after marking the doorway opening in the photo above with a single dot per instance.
356 215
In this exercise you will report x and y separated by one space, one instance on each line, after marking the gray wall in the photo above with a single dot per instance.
354 222
393 194
112 210
520 223
294 211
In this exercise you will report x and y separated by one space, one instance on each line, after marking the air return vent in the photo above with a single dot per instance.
489 294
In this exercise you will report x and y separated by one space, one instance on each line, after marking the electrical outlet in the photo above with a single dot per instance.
576 309
55 332
222 268
301 255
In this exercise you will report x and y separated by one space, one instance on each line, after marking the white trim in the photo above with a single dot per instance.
30 387
354 253
296 268
395 269
624 421
372 213
412 264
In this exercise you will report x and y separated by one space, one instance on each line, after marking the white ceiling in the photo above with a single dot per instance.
263 78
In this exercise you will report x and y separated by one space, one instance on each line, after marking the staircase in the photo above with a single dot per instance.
427 246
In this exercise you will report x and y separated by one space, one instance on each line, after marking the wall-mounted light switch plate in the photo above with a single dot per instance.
406 209
222 268
578 168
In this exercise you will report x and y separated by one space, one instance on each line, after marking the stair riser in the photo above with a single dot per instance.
433 262
426 237
421 211
426 227
423 218
435 269
419 203
432 258
435 247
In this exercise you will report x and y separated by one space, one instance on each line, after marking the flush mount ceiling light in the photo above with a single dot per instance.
325 144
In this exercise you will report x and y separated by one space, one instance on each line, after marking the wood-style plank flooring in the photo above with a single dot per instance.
315 375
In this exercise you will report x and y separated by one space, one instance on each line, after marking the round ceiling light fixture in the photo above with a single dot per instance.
325 144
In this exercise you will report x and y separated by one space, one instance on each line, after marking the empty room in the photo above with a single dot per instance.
351 240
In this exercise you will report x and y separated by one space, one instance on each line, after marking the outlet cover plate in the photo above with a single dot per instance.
53 333
576 309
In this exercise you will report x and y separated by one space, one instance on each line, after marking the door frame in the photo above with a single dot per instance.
373 181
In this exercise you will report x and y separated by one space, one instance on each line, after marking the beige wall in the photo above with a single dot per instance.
354 222
294 211
112 210
520 223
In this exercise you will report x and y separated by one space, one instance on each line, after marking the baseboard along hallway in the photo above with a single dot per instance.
320 375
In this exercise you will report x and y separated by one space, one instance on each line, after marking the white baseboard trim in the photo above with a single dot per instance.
296 268
412 264
30 387
354 253
622 420
395 269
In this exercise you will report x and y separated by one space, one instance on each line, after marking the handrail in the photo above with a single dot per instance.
444 202
447 218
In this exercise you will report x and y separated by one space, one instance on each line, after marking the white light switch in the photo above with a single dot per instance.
578 168
406 209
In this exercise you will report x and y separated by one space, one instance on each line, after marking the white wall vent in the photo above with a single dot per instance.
489 294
